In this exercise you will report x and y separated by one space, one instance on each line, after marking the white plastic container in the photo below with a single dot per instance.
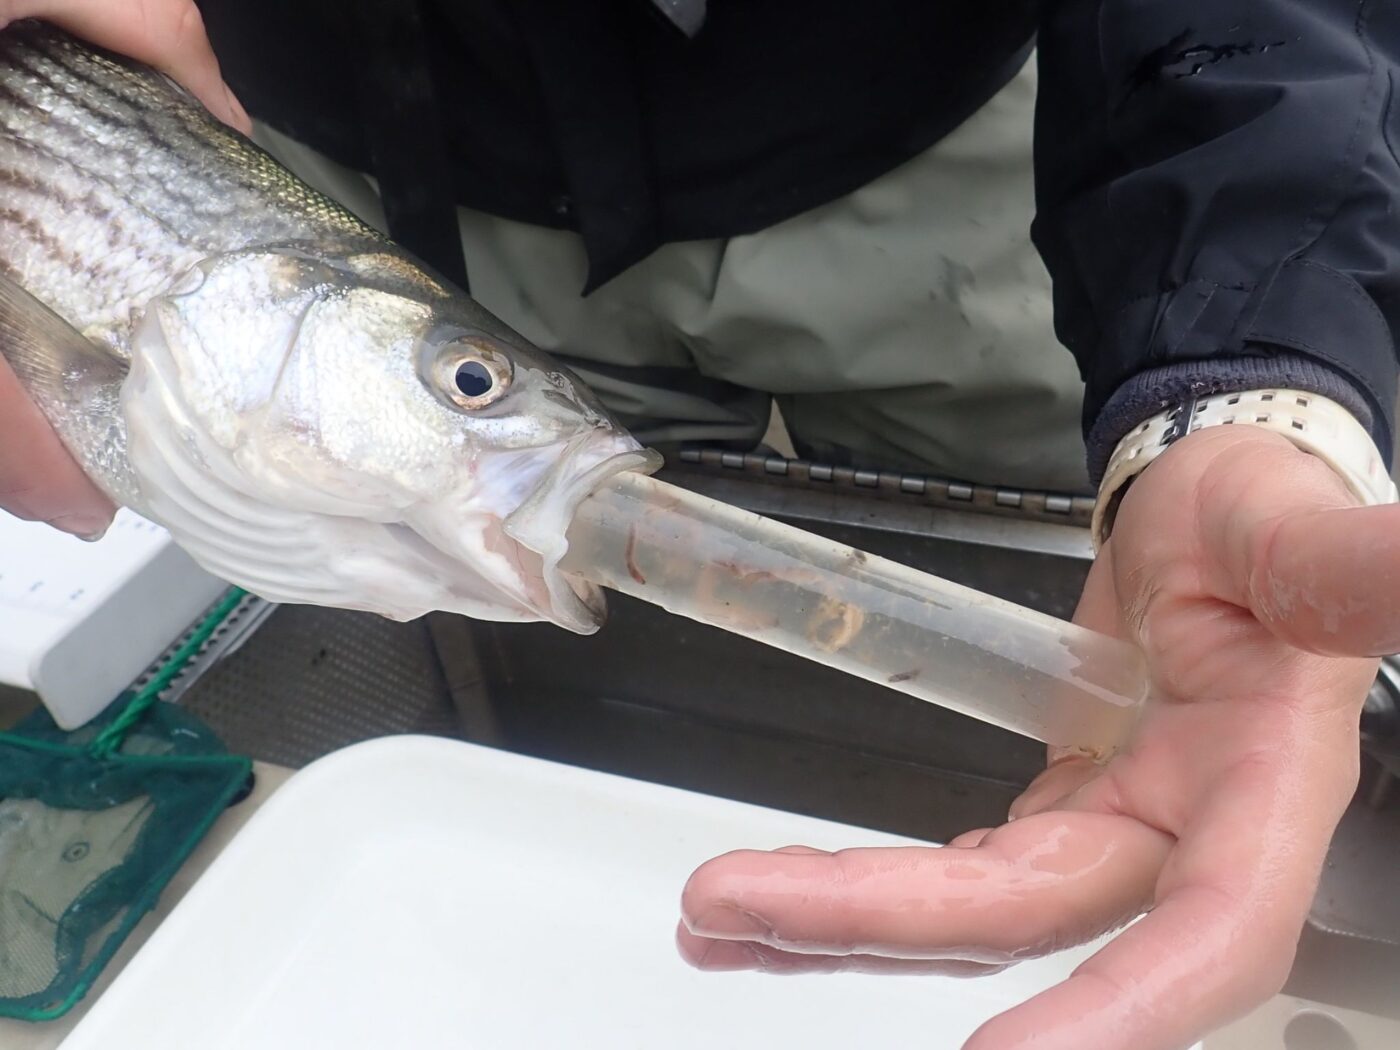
422 893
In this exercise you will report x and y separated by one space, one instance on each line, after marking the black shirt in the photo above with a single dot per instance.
601 116
1218 181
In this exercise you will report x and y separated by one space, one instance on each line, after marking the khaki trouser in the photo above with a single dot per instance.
906 326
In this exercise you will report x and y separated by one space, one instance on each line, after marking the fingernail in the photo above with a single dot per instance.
729 955
725 922
240 115
90 529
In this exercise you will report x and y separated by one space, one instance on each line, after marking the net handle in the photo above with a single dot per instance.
111 738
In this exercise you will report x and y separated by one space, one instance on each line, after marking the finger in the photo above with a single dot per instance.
1029 887
39 480
1200 959
1232 900
1064 777
1328 581
1160 985
168 35
1317 571
968 839
1098 607
717 956
1098 610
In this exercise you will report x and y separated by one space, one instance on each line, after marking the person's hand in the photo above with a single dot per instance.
1256 590
39 480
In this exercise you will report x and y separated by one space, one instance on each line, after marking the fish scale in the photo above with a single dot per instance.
233 355
101 163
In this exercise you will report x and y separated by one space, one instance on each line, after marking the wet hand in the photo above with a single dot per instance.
165 34
1258 592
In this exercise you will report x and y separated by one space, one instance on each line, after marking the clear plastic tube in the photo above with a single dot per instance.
884 622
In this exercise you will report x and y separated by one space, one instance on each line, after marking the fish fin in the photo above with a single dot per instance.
45 351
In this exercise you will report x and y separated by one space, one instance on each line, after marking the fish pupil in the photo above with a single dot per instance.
474 379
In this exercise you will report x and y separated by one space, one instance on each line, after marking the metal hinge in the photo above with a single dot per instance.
1056 507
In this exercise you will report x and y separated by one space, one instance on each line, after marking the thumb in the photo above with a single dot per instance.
1329 581
1286 541
39 480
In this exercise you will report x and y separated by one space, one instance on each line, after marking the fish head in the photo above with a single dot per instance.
427 455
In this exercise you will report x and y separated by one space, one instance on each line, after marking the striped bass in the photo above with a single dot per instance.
311 413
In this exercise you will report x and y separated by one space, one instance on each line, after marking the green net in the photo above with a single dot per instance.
93 824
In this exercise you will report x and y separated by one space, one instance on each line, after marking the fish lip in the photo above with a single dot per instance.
541 522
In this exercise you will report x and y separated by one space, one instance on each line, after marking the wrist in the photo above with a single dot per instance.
1313 423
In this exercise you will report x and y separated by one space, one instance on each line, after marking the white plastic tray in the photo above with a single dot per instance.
422 893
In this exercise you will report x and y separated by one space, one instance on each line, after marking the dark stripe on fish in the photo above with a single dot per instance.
35 231
101 89
111 83
99 210
88 203
103 139
120 115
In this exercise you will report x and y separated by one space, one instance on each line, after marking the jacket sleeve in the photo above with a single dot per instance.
1218 201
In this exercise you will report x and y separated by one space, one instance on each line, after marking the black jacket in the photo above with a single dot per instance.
1218 181
1219 200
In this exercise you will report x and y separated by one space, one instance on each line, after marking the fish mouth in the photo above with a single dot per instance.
541 523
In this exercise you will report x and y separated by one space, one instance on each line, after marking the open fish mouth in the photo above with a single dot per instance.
540 524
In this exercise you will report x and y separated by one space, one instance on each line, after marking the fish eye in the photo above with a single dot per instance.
474 376
474 379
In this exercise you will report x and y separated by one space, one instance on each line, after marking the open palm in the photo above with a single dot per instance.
1255 588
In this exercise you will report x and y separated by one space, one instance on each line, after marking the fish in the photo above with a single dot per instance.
312 413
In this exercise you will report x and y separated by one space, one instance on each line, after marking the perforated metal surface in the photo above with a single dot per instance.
315 680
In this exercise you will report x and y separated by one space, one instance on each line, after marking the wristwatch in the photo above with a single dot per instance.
1316 424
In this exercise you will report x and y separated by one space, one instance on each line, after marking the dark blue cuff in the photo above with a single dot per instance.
1153 391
